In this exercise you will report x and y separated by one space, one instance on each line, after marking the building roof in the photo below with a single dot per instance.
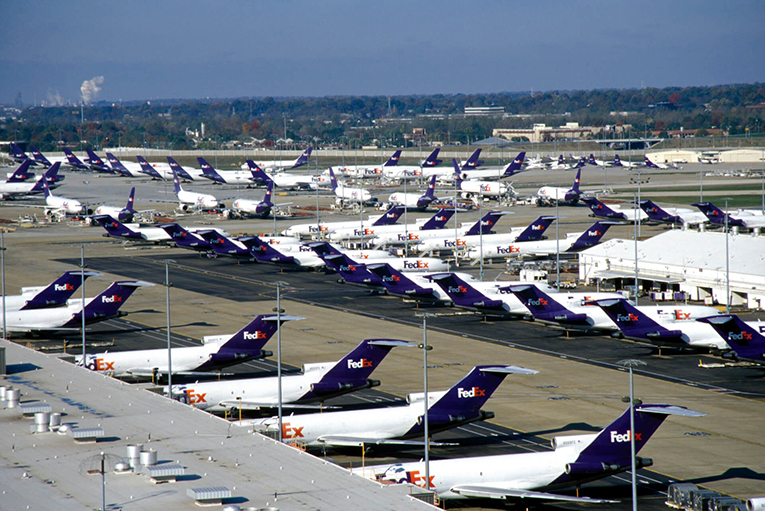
691 249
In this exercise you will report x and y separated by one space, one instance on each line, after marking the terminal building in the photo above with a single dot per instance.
683 261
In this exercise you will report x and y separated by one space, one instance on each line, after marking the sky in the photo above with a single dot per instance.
192 49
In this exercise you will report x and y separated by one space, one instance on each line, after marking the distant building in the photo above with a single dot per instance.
543 133
484 111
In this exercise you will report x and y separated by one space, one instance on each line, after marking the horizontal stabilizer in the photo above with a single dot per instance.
283 317
392 343
348 441
254 405
508 370
669 410
490 492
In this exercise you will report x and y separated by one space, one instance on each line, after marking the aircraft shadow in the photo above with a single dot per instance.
731 473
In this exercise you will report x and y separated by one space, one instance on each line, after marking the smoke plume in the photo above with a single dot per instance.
53 98
91 88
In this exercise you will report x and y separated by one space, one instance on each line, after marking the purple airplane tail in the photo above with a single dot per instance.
19 155
222 245
332 179
391 216
21 174
117 165
610 450
180 171
745 341
397 283
107 304
716 215
438 221
486 224
591 160
351 271
353 371
515 166
545 308
264 253
208 171
473 162
303 159
146 168
115 228
58 291
96 163
635 324
74 161
393 160
536 229
430 194
590 237
462 403
432 159
601 210
186 239
39 157
463 294
257 173
656 213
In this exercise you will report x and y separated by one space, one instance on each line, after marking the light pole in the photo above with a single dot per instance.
2 267
630 363
636 257
425 348
82 287
727 261
279 311
169 350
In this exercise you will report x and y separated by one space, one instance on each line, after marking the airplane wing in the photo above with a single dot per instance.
491 492
143 372
254 405
349 441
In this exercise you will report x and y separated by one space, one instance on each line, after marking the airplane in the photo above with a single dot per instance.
634 323
189 199
21 174
317 382
376 233
472 162
284 179
45 162
426 168
73 161
265 252
19 156
215 353
255 208
746 341
156 172
591 160
97 164
682 216
61 205
562 165
54 294
104 306
473 237
651 165
396 425
408 284
116 229
614 212
277 165
13 189
402 234
362 171
127 169
482 188
230 177
573 242
562 195
512 168
313 228
349 194
323 248
415 200
125 214
619 163
186 173
184 238
748 219
574 460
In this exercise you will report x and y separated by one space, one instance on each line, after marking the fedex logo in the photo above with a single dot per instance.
362 363
111 299
487 222
179 234
255 335
452 244
537 227
321 228
391 278
100 364
626 318
440 219
458 289
347 267
537 303
740 336
617 438
416 265
594 233
509 250
474 392
363 232
195 398
289 431
65 287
